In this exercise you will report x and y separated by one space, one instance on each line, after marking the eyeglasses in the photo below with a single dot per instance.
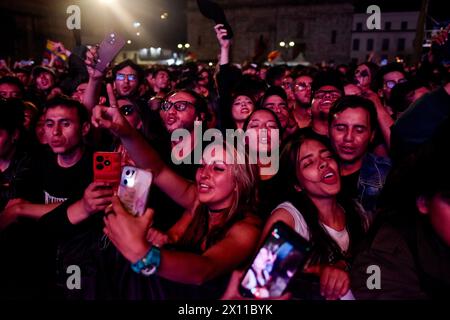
323 93
302 86
127 109
391 83
130 77
179 105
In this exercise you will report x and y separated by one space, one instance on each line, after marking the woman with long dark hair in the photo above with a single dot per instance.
334 226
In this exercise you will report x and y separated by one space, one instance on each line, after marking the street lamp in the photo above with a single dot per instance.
287 45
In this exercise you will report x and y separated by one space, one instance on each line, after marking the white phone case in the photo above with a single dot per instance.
134 188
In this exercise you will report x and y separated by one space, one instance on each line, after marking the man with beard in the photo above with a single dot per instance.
127 78
302 93
352 124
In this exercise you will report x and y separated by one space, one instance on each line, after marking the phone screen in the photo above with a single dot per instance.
276 262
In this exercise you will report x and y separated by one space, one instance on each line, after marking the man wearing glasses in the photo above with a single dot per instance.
302 92
326 88
389 76
127 78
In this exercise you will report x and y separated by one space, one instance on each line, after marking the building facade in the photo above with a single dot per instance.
394 39
321 31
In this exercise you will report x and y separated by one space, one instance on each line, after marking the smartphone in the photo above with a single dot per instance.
108 50
107 167
134 188
276 262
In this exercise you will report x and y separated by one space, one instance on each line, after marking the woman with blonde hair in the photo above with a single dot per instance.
219 217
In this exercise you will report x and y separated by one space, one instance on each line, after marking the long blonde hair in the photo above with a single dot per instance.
245 199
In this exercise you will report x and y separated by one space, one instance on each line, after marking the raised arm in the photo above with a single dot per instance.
176 187
385 121
92 93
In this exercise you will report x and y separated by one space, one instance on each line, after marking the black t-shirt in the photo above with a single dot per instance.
349 185
52 183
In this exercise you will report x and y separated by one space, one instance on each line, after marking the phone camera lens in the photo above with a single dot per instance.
99 167
128 172
99 159
125 182
107 163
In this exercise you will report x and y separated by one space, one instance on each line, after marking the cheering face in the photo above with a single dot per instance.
175 119
63 130
44 81
241 108
350 134
260 129
302 89
215 180
126 82
323 100
317 170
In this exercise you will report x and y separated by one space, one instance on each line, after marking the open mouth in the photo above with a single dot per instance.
347 149
329 178
202 188
171 120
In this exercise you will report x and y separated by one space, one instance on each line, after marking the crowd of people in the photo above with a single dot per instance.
363 151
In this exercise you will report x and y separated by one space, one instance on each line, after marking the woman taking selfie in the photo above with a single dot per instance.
219 217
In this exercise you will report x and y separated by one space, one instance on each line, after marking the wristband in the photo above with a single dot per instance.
149 264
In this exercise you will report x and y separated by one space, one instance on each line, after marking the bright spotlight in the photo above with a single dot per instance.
291 44
164 15
129 41
282 44
136 24
138 34
107 2
187 45
180 46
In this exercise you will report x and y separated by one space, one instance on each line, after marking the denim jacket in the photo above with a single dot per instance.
372 177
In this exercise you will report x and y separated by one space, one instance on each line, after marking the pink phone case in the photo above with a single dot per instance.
108 50
134 188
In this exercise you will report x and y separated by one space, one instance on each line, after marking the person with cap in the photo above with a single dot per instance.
43 85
